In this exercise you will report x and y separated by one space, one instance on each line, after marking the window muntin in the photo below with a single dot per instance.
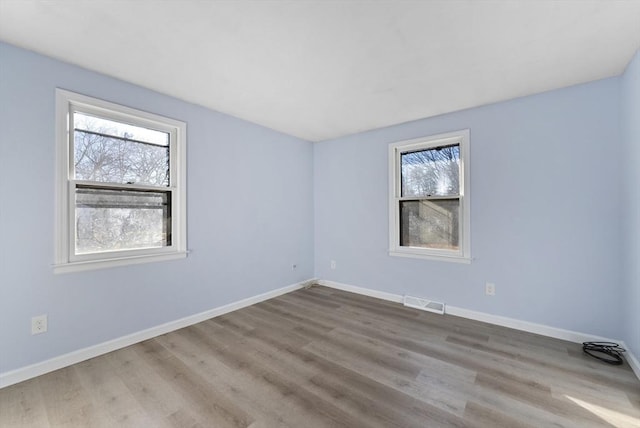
109 151
429 197
121 182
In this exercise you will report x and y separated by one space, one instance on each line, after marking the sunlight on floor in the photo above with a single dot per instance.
617 419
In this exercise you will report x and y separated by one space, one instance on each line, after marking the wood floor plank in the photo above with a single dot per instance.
182 419
584 371
336 353
486 417
350 390
159 399
361 322
360 395
321 357
22 405
537 395
67 402
284 386
206 400
109 393
426 328
238 387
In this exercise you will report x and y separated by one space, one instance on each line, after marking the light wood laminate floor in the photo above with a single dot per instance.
326 358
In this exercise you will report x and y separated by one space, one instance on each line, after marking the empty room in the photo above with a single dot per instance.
340 213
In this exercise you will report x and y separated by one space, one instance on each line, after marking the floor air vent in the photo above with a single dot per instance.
424 304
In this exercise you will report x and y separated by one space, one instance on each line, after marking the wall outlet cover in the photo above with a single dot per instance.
490 289
39 324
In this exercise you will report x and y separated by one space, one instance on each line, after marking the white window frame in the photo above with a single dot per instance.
463 254
65 258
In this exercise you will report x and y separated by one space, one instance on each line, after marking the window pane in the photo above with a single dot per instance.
99 156
112 220
430 224
85 122
432 172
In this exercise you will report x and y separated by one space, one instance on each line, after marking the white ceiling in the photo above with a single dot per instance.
324 69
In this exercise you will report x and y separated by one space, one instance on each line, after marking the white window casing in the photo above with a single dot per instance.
462 251
66 256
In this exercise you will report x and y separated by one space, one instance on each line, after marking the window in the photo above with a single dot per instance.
429 197
120 185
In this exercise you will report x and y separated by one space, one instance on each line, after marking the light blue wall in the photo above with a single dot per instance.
630 91
545 210
250 216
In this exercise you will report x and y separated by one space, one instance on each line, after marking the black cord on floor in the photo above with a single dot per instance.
608 352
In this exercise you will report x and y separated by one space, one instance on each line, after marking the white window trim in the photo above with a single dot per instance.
64 259
463 255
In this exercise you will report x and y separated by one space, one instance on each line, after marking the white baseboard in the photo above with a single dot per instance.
37 369
541 329
631 359
530 327
397 298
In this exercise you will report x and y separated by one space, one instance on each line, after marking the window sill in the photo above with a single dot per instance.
427 256
122 261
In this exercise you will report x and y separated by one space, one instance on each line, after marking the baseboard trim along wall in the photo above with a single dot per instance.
37 369
632 360
541 329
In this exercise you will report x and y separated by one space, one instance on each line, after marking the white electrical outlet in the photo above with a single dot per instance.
333 264
490 289
39 324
